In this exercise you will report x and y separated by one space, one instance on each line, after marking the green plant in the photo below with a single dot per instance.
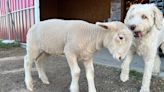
9 45
136 74
163 87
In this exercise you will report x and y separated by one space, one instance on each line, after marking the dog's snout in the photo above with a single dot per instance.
132 27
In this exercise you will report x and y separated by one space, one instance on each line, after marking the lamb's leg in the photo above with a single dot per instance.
39 65
90 75
157 63
75 71
162 47
124 76
149 63
28 78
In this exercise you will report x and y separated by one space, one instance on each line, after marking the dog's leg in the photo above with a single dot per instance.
39 65
125 66
90 75
75 71
157 63
28 77
149 64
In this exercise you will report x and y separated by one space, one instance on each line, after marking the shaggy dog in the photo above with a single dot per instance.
146 22
77 40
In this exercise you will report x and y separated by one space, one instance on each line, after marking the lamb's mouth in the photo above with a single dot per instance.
138 34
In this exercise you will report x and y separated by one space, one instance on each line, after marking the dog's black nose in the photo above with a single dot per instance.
132 27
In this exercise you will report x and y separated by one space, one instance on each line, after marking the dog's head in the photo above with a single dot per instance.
141 18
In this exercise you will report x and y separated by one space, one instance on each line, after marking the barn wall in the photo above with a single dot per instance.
16 17
89 10
116 10
48 9
21 14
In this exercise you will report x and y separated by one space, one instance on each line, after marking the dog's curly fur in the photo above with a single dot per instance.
146 22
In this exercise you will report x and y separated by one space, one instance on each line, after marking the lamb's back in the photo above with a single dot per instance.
51 35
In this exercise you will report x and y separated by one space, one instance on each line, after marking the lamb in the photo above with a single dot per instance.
78 40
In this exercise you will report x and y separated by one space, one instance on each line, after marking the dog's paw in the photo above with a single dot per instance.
156 72
124 77
144 90
29 85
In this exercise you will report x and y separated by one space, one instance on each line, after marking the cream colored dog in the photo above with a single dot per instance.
77 40
146 22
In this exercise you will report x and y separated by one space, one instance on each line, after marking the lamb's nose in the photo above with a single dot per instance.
120 58
132 27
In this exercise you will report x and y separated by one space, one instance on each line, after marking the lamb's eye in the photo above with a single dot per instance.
121 38
144 16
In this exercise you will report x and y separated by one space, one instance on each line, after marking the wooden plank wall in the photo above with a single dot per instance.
89 10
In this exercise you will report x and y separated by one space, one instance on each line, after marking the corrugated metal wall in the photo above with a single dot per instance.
16 17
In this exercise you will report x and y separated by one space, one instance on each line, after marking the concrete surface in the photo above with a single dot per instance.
103 57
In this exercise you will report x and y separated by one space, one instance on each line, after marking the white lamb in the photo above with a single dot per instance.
77 40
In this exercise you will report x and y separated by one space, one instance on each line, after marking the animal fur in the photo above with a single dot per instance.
77 40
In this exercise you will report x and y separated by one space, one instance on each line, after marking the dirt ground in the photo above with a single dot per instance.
14 51
106 78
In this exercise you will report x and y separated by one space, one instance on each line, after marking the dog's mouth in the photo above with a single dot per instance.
138 34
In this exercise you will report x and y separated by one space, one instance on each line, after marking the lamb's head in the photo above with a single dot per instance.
141 18
118 38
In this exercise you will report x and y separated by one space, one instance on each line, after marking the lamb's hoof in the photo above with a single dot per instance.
74 88
29 85
144 90
45 80
92 90
124 77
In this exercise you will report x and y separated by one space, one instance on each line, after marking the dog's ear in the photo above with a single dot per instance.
158 16
101 24
132 7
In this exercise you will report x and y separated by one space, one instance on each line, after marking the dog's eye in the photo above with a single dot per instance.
144 17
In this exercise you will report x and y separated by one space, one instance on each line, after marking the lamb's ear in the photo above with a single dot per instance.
132 7
158 16
103 25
